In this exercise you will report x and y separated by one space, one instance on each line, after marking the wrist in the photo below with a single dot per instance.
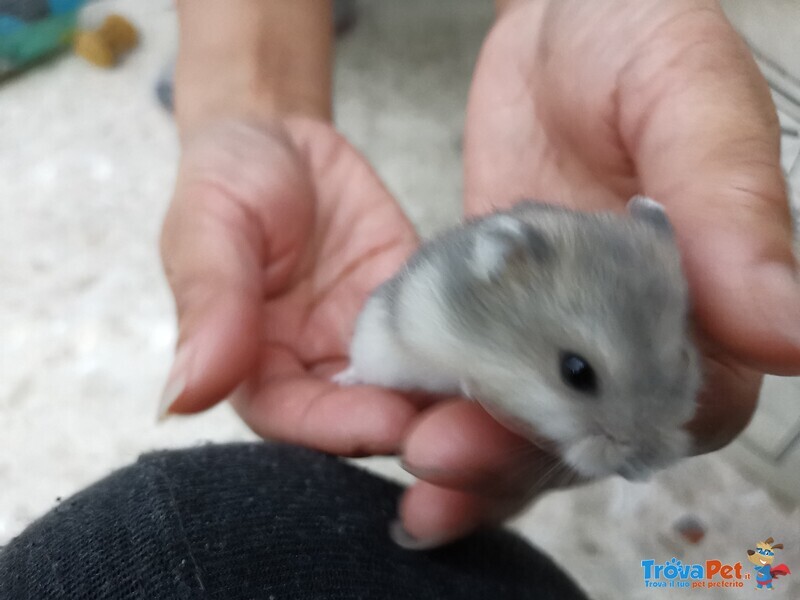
256 60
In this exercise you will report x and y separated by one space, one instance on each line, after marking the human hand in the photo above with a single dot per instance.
276 235
587 104
277 231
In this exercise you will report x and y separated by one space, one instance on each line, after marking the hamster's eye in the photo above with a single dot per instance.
577 373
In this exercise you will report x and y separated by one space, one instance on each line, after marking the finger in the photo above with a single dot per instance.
458 445
703 130
212 269
726 403
234 231
474 471
432 516
287 403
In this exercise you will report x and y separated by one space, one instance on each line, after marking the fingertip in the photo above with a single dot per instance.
781 283
754 312
432 516
218 348
725 405
458 444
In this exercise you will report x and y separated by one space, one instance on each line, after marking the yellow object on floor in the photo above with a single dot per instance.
104 46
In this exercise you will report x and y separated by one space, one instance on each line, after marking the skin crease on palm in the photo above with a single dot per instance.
580 103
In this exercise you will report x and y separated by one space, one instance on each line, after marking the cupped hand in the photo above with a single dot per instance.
276 235
586 104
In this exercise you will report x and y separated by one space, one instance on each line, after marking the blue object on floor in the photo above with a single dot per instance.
31 30
61 7
9 24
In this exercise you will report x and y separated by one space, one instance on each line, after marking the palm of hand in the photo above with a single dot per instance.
303 232
593 107
359 238
598 108
550 118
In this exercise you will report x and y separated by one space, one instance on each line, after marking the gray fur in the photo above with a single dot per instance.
606 286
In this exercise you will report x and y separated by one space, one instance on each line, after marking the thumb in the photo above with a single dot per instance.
232 235
706 142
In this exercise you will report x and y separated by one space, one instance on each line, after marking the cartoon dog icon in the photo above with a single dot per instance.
763 557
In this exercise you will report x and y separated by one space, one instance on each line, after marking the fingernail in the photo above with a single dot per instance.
402 538
417 472
172 391
175 385
435 474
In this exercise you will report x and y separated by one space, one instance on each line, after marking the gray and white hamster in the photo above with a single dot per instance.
566 325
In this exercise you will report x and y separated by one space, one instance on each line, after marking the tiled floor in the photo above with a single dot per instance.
86 321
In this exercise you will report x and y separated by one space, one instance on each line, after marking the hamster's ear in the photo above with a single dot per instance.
646 209
504 240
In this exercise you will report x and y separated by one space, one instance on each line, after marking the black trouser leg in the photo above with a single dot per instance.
255 521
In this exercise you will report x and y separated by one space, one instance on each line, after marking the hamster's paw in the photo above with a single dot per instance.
347 377
468 389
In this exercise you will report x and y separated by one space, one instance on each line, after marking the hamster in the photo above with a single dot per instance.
564 325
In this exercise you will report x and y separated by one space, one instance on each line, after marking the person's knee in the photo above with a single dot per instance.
246 519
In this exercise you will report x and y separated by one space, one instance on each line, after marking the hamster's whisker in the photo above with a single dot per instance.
530 447
554 476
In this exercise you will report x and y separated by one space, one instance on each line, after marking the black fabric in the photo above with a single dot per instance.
255 521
